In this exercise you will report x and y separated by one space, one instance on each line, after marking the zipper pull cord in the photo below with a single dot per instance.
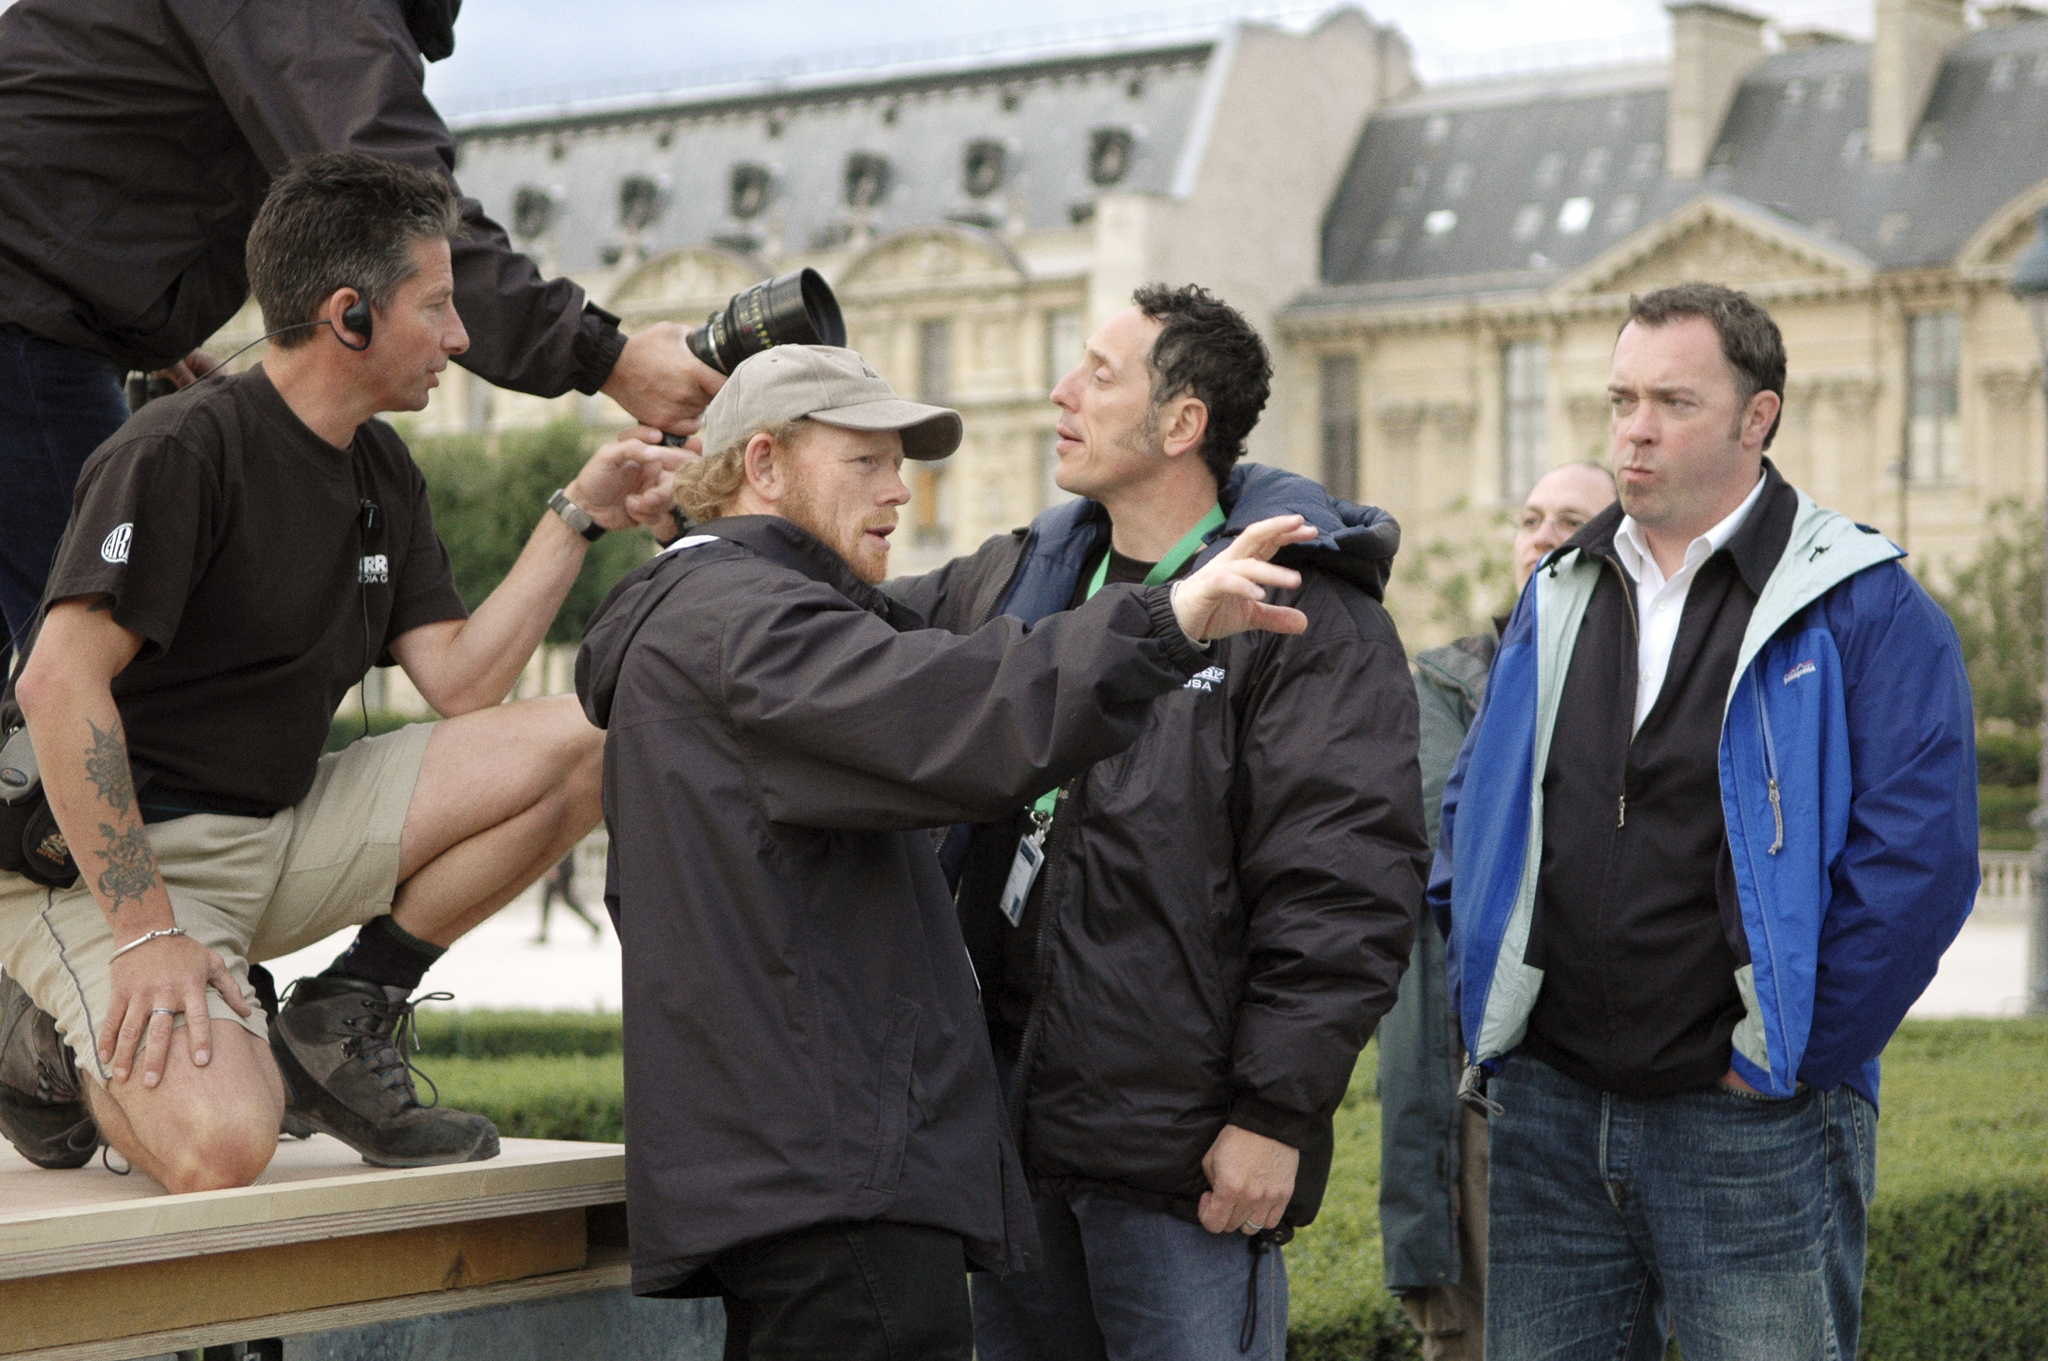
1778 817
1621 811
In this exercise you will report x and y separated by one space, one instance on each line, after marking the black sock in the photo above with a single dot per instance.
386 954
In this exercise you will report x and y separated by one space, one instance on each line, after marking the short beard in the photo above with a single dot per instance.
800 507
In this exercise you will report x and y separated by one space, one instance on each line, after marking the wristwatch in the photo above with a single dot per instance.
575 516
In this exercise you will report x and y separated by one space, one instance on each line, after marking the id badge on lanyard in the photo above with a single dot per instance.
1024 869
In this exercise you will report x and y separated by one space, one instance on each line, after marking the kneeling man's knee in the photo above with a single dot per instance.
220 1159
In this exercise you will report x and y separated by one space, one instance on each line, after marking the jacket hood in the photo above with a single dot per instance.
613 625
1354 542
432 25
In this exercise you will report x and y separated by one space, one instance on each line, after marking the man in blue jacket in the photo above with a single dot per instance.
1705 844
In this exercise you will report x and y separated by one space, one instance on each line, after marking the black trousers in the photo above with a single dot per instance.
850 1292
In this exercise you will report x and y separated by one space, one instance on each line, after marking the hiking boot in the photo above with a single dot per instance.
341 1043
42 1108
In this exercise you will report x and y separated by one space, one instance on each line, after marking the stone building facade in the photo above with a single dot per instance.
1479 256
976 222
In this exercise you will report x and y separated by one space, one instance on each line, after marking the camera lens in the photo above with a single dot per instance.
791 309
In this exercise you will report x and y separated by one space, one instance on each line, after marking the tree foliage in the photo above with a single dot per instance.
1996 602
486 503
1466 584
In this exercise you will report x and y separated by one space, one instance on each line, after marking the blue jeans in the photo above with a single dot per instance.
1124 1283
57 405
1736 1221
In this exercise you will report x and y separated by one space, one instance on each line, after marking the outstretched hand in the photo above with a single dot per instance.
1228 594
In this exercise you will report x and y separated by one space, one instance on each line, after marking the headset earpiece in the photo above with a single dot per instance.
358 319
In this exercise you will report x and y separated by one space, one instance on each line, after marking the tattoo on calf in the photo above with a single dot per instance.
106 765
131 869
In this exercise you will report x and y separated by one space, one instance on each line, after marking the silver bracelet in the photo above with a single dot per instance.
145 938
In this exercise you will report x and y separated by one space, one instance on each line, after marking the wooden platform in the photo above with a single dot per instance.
97 1267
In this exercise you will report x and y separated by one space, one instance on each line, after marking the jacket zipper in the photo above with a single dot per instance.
1635 638
1770 761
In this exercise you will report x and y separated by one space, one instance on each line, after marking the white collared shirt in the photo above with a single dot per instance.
1661 601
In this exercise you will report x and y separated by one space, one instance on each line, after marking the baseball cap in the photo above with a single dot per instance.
828 384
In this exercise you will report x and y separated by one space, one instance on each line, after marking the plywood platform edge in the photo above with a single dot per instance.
531 1176
608 1270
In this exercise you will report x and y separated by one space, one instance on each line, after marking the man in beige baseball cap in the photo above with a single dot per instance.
813 434
814 1129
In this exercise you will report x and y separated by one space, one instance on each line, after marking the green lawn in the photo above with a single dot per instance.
1959 1231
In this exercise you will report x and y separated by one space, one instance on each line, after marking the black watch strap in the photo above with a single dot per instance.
575 516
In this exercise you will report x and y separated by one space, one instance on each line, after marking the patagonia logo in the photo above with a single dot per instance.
374 569
1805 668
114 548
1207 679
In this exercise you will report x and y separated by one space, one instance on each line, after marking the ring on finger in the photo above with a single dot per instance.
162 1011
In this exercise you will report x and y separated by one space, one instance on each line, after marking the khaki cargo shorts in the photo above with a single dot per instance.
250 889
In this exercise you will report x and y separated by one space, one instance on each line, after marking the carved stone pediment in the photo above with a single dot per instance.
1721 239
931 254
694 279
2003 235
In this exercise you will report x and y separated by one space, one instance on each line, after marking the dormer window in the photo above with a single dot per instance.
867 179
1109 155
984 167
747 190
533 211
640 202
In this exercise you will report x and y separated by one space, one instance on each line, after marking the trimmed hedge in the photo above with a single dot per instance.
2009 758
1958 1267
2003 813
347 726
539 1097
510 1034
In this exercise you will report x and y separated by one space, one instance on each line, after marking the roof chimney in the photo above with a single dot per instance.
1912 38
1712 47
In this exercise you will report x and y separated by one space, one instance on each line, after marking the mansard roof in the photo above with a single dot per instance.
1044 138
1515 186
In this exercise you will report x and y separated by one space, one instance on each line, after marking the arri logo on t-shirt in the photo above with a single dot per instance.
114 548
374 570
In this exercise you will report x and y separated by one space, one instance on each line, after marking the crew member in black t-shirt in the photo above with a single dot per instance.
238 555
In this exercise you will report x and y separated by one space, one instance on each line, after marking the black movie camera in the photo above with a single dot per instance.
791 309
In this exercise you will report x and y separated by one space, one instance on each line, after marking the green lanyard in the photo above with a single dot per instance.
1175 559
1163 570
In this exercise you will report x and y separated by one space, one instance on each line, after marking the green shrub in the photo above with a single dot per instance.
1958 1232
511 1034
2009 759
487 496
2002 817
538 1098
348 726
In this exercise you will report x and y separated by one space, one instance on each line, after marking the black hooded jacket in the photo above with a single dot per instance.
1228 905
803 1037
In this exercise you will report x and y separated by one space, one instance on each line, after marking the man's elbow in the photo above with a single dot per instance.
41 685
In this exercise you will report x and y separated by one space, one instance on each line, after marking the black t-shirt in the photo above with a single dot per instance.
1014 983
233 539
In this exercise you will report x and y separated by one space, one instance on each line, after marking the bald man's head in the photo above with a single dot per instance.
1558 506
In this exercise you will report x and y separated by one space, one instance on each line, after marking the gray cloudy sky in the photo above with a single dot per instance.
527 50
